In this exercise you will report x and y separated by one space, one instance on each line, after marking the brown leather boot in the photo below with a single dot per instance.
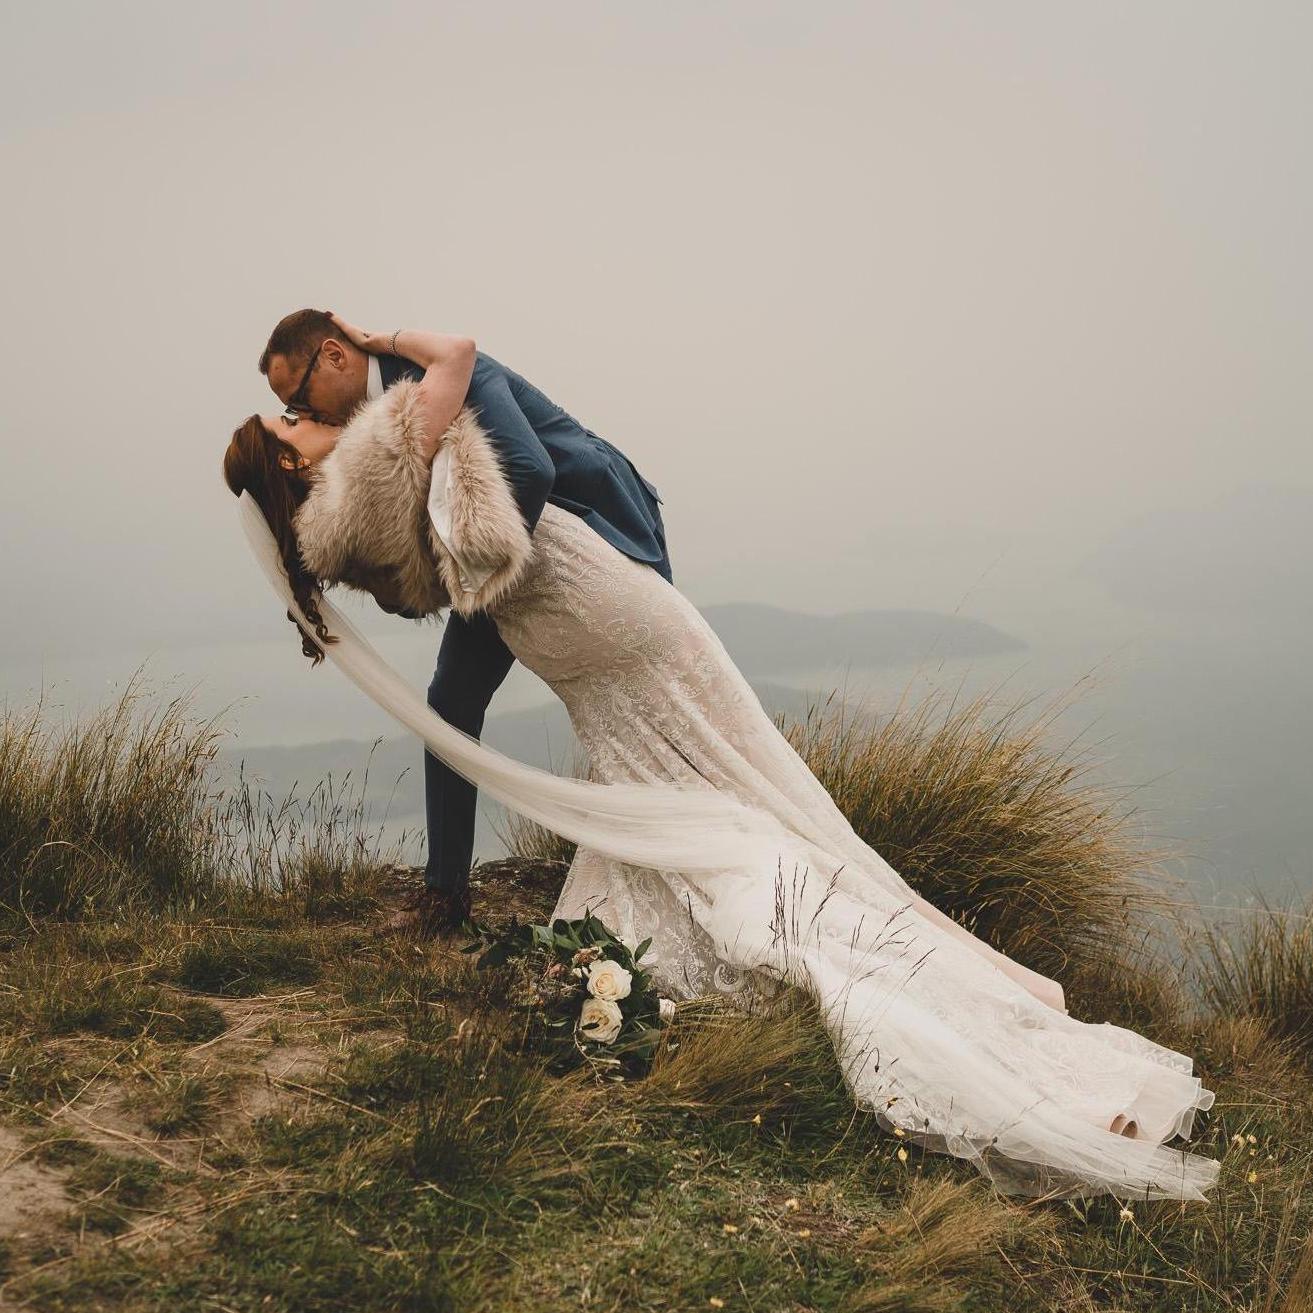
428 913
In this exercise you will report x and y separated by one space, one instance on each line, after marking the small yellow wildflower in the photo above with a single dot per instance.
791 1204
1127 1215
1252 1178
899 1132
716 1303
730 1229
804 1234
902 1154
756 1121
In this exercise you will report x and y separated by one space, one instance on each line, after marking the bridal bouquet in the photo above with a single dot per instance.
585 986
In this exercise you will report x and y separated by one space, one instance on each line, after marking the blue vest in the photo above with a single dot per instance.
549 456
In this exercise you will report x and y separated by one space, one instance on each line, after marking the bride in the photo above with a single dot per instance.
700 826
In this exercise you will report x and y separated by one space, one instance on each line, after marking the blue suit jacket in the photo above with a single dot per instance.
549 456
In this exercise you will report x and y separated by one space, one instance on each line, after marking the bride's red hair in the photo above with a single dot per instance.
251 464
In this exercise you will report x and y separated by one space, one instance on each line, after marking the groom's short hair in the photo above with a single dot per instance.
297 335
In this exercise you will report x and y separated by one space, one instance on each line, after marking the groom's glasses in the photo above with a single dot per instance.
297 406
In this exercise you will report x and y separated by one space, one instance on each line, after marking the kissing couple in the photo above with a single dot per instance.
417 468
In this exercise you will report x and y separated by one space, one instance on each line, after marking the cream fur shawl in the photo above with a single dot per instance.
366 522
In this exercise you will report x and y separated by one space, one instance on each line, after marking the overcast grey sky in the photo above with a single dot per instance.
883 297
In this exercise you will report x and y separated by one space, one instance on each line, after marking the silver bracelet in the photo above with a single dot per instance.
392 347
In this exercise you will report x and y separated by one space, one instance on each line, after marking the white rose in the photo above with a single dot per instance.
665 1010
600 1020
609 980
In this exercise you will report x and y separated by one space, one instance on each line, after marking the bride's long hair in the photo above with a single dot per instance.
252 464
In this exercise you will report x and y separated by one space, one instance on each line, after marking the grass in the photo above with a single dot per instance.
1264 969
240 960
120 813
985 819
107 812
422 1157
183 1101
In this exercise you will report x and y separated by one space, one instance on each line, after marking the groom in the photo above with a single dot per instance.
548 456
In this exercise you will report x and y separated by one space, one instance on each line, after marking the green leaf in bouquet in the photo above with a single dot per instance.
565 932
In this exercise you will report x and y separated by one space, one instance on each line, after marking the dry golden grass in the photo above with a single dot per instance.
977 810
107 811
1264 968
122 810
942 1232
777 1067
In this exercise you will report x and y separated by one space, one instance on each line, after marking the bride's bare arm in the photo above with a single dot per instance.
448 363
424 348
447 360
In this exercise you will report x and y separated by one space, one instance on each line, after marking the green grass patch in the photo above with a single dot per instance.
238 962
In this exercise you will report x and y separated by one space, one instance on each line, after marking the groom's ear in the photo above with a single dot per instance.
336 353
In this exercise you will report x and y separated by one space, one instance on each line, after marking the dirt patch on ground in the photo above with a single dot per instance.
104 1117
520 888
273 1082
33 1200
256 1073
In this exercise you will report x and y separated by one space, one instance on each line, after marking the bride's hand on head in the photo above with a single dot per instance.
374 343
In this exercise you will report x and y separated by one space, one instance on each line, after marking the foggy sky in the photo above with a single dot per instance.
883 297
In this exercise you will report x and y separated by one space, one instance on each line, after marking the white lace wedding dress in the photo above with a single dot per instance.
702 828
951 1041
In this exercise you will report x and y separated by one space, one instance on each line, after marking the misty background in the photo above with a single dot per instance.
983 328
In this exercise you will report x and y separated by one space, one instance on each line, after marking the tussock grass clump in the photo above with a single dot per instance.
526 838
941 1232
181 1101
1263 968
109 811
481 1106
111 1189
121 813
67 996
491 1116
237 962
115 1191
391 984
728 1067
975 810
1245 1050
319 858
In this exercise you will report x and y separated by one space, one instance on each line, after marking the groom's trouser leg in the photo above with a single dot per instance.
472 663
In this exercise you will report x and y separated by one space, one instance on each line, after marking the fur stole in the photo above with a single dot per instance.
366 523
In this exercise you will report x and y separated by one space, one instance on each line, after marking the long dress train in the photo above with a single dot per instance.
951 1041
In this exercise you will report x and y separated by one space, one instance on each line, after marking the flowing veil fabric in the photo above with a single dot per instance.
950 1042
645 824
